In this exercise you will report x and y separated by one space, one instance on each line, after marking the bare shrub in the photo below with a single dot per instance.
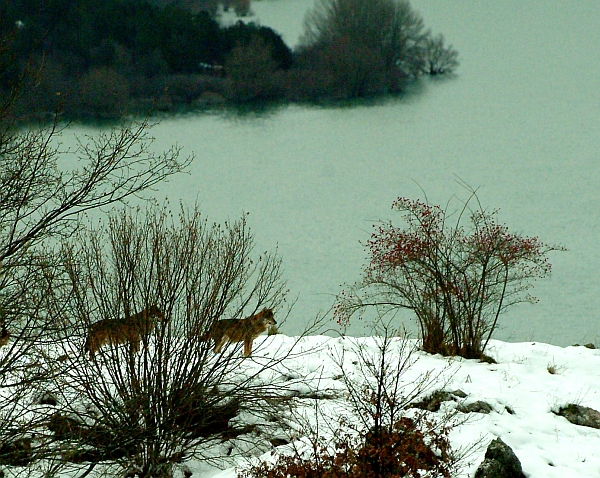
146 410
375 435
370 46
457 279
554 369
187 88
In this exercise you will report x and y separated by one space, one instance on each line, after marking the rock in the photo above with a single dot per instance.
584 416
433 402
487 359
47 398
500 462
278 442
476 407
490 469
65 428
459 394
587 346
16 453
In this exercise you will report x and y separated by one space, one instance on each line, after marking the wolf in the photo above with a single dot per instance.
237 330
119 331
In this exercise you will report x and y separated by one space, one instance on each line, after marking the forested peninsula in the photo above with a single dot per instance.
108 58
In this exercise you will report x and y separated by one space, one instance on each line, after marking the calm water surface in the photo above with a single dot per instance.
521 121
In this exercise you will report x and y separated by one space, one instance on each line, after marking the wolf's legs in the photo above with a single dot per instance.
219 344
247 347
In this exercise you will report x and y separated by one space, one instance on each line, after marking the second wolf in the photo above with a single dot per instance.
238 330
118 331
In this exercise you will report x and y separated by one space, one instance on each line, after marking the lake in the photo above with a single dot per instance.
520 121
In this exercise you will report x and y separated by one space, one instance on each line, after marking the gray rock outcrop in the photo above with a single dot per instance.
584 416
476 407
500 462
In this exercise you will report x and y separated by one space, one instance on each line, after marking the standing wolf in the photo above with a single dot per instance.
237 330
119 331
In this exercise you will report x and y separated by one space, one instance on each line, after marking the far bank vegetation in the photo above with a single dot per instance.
108 58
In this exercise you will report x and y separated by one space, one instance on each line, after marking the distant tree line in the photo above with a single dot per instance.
114 57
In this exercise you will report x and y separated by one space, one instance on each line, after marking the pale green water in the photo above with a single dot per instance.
521 120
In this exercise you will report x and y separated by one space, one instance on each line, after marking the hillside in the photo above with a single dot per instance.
521 391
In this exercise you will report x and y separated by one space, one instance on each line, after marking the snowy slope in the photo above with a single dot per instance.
546 444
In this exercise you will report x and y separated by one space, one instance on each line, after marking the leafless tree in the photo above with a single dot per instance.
389 28
439 58
41 200
39 203
366 47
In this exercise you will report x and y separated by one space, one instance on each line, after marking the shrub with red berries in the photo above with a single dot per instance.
456 271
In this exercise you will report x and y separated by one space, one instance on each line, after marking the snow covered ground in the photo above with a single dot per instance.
520 389
529 382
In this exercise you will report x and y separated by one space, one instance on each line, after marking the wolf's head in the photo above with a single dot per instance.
266 317
153 312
